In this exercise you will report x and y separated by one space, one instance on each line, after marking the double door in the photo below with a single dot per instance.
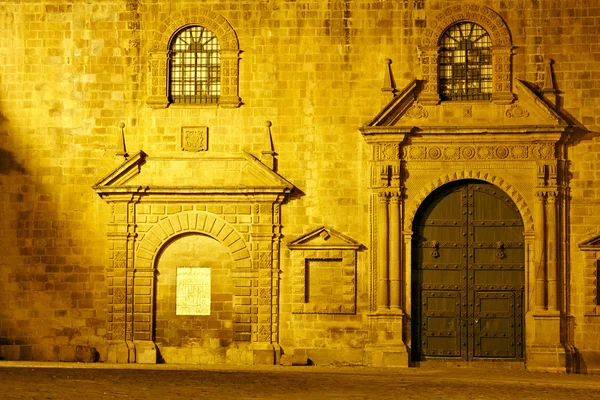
468 275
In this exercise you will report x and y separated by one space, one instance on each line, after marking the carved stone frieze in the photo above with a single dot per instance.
479 152
388 151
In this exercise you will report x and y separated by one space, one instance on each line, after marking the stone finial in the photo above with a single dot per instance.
549 90
121 150
267 156
389 85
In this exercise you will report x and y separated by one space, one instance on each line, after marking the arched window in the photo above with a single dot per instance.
195 67
465 63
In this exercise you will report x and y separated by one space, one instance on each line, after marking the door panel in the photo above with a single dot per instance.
468 275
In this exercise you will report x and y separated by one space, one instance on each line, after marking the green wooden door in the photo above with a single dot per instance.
468 275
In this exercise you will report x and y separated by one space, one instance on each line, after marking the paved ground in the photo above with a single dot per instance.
81 381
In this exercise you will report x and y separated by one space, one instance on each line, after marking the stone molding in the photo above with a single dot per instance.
158 57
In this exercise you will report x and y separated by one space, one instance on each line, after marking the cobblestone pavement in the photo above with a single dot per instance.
77 381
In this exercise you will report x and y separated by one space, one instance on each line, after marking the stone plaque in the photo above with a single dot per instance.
194 138
193 291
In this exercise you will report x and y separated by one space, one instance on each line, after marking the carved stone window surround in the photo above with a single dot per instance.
158 58
501 50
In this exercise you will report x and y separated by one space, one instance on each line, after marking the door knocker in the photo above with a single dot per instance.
500 250
436 247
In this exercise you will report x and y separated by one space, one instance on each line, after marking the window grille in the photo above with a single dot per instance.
465 63
195 73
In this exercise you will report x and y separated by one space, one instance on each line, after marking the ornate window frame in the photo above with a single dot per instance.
158 58
501 50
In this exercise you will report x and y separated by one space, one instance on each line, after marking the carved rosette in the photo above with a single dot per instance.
388 151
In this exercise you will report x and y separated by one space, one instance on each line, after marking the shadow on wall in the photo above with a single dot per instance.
8 163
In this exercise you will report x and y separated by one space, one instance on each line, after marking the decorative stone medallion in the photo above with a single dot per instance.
194 138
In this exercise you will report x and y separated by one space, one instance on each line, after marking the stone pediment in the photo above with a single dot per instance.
404 114
591 244
243 174
323 238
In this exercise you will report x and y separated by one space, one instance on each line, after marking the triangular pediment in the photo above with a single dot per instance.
591 244
240 174
404 114
323 237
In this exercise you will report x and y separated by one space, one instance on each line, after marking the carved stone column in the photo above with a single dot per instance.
540 251
552 246
395 245
382 253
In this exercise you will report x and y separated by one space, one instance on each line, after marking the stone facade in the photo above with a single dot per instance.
306 221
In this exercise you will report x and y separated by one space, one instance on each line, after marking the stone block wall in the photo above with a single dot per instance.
71 71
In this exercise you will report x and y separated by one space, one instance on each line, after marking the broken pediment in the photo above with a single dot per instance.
242 174
591 244
323 238
404 114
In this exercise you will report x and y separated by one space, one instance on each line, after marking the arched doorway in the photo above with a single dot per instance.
193 300
468 275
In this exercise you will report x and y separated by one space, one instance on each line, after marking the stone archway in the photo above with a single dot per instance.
468 275
191 222
502 183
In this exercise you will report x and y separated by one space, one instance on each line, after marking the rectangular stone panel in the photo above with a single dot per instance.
193 291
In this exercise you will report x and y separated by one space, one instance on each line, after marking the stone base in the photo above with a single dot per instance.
387 356
550 358
263 353
588 362
336 356
145 352
120 353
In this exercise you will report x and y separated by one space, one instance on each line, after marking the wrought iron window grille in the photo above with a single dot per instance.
195 67
465 63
